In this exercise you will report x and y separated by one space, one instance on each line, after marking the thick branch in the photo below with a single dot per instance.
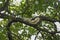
22 20
49 19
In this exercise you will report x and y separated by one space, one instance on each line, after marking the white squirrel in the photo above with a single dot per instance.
34 20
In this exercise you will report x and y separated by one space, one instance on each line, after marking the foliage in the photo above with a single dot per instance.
10 9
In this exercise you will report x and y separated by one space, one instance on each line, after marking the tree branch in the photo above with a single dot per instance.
22 20
49 19
9 31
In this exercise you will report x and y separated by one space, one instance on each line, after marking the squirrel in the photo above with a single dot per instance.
34 20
